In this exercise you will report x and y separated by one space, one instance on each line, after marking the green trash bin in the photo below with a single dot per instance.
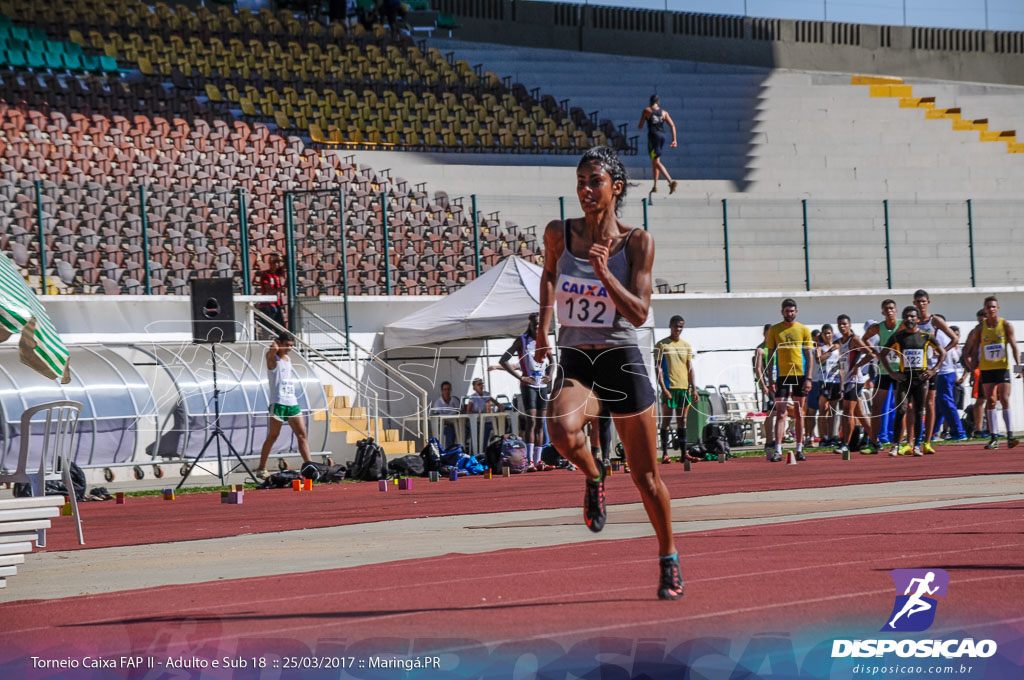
698 416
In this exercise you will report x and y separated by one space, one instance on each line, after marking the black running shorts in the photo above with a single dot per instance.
832 391
853 391
616 375
787 386
995 376
533 399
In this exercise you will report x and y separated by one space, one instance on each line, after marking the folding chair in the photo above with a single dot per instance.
60 422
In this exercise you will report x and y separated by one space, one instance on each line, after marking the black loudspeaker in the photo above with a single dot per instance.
213 310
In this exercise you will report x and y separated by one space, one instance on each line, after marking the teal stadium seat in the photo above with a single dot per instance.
108 64
72 62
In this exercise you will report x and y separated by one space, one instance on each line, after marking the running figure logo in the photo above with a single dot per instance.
914 609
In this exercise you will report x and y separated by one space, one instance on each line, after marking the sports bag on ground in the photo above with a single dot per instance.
408 466
714 440
431 455
370 464
322 473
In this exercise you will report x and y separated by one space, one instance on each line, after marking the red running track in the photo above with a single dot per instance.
805 575
201 515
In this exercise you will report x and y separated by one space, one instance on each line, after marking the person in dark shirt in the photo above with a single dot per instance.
908 365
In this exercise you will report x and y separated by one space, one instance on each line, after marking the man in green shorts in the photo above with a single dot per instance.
284 404
674 366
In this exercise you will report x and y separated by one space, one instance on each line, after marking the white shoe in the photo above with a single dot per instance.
918 452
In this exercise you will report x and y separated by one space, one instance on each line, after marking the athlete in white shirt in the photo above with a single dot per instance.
284 404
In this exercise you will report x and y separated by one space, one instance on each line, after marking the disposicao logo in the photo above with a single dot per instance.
914 611
916 590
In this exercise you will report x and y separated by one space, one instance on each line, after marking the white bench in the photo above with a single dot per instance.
739 406
20 520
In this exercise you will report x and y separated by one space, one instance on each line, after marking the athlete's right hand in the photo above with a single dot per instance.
542 351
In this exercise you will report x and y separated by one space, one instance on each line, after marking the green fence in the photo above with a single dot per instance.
90 238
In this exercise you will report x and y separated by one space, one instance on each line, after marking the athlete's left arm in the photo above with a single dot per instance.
633 302
953 336
808 345
866 352
1012 340
672 127
940 355
691 376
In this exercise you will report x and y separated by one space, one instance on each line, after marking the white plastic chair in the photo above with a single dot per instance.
61 422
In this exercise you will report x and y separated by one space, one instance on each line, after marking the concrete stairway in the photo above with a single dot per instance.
349 424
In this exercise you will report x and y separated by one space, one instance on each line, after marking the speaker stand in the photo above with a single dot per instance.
217 435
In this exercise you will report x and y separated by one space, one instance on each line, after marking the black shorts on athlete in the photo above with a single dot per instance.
885 382
853 392
617 376
994 376
832 391
533 398
787 386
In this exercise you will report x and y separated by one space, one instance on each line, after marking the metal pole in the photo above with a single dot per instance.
476 231
807 253
561 208
387 253
970 237
725 243
243 230
145 239
643 202
344 266
42 235
289 235
476 237
888 254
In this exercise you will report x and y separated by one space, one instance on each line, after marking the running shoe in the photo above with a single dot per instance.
775 458
958 438
665 460
894 451
906 450
593 503
531 468
671 190
918 452
671 586
261 474
654 190
927 448
992 445
1011 442
981 433
842 450
870 450
800 456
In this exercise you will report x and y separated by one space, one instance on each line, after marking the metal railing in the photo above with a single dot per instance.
364 393
360 356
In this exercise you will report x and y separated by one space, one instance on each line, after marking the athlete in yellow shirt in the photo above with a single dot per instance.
987 350
674 366
790 342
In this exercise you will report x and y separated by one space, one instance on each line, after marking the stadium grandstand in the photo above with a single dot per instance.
144 146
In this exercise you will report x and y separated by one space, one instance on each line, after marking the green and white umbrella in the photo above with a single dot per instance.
20 312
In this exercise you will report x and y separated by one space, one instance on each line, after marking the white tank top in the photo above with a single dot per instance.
282 383
851 357
527 364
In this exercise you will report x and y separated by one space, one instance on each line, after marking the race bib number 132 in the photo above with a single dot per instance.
583 303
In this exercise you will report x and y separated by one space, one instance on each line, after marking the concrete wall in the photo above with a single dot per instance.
953 54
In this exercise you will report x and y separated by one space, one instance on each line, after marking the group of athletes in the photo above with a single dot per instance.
912 361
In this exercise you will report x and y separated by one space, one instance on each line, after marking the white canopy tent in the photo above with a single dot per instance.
494 305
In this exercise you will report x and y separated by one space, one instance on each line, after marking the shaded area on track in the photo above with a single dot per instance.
193 516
